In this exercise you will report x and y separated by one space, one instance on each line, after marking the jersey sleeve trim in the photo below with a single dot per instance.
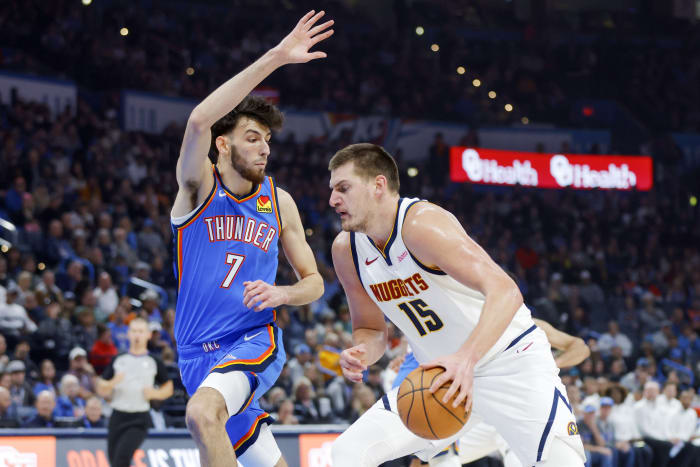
435 271
275 205
353 249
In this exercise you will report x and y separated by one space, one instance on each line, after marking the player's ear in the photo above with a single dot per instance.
380 184
222 144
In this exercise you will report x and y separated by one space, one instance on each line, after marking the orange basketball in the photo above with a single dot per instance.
424 413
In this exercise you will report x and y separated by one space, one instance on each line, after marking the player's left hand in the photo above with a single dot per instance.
294 48
458 370
261 295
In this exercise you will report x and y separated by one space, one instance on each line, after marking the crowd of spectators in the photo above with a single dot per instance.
376 62
92 249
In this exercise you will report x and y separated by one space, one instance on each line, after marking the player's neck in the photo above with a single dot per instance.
234 181
381 223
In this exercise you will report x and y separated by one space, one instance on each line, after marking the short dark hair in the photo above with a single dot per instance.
369 161
254 107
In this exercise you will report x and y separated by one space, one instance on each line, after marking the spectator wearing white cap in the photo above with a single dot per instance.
652 421
69 403
20 390
597 453
79 367
149 299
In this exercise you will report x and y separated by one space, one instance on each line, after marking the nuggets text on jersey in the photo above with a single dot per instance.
397 288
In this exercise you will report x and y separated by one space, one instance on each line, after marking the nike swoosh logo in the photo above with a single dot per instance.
247 337
368 262
222 193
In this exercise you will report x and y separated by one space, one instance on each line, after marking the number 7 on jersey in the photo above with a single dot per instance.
235 261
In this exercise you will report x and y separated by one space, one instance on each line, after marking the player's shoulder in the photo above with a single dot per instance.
341 243
424 213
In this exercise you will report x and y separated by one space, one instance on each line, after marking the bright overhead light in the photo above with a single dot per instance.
492 94
476 83
509 108
87 2
189 71
420 30
461 70
412 172
124 31
525 120
434 47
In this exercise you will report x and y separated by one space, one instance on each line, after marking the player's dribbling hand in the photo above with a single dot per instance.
460 372
351 362
261 295
295 47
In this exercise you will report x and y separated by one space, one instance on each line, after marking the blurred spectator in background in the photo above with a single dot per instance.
103 350
8 410
69 403
55 334
93 417
107 298
47 378
20 389
14 320
119 328
597 453
652 421
613 338
44 418
79 367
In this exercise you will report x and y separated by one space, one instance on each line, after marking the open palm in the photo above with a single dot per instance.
295 47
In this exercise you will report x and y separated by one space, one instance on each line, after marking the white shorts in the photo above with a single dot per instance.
518 392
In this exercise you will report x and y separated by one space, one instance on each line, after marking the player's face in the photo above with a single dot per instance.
351 198
249 149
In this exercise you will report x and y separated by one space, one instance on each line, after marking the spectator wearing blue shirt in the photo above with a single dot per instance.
119 329
69 403
597 453
47 377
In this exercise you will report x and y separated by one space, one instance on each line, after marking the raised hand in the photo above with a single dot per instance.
351 362
260 295
460 372
294 48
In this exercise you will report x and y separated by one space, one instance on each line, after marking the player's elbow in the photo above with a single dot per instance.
197 121
318 287
583 348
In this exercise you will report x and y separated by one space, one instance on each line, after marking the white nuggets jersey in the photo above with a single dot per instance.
435 312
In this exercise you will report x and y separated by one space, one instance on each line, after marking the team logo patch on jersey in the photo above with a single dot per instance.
264 204
572 429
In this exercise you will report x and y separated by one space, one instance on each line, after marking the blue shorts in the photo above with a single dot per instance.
409 364
259 353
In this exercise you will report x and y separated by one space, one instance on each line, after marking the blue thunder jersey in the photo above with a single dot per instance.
221 244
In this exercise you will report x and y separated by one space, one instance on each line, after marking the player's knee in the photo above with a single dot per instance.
205 411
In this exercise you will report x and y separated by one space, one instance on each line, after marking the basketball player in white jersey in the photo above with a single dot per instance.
413 262
483 439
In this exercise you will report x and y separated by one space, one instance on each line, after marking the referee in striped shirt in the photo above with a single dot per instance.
130 381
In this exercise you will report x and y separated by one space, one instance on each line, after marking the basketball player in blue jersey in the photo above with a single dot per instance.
227 221
413 262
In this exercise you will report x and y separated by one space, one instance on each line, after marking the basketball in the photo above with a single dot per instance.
424 413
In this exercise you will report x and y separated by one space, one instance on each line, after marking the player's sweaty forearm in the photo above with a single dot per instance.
231 93
375 344
306 290
498 311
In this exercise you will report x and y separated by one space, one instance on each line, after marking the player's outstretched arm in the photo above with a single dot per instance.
192 166
309 287
573 349
438 240
369 331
